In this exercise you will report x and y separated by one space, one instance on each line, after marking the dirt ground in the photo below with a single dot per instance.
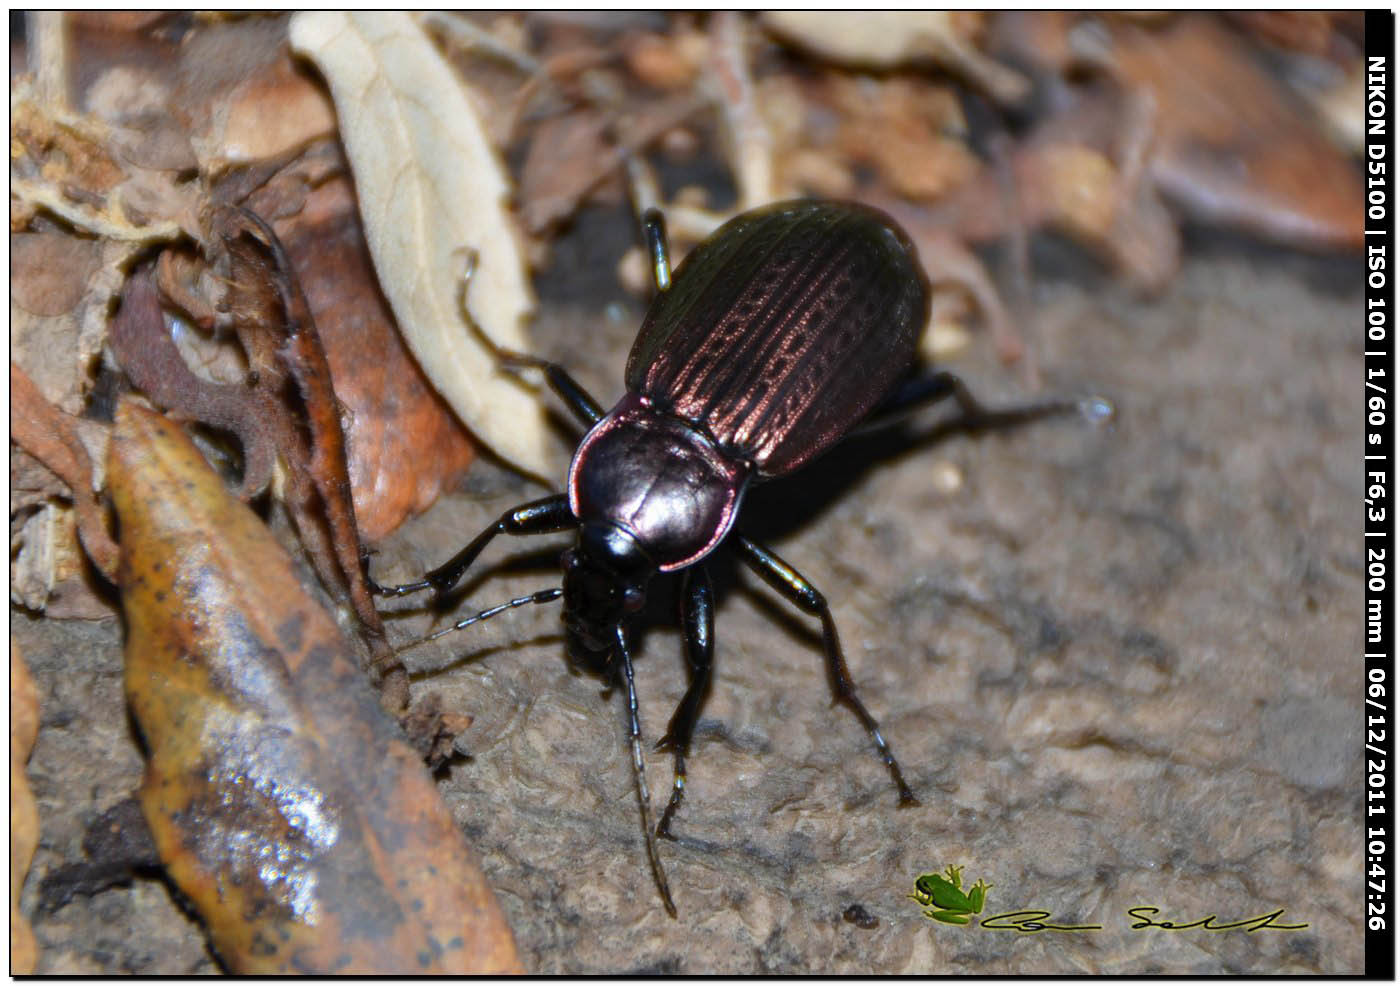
1118 665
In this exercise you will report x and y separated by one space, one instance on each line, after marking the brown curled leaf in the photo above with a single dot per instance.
582 159
48 434
284 802
277 331
145 351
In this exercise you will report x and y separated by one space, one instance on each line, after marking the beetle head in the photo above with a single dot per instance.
605 578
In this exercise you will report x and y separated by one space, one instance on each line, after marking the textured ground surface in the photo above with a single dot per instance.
1120 668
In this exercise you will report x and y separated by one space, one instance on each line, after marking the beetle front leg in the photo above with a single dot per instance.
538 517
698 626
802 594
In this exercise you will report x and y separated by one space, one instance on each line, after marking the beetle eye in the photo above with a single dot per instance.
633 598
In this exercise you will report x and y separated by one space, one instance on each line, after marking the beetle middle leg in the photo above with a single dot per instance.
588 411
804 595
698 628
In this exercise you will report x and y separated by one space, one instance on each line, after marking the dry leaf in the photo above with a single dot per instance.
272 113
24 814
51 436
145 350
49 569
405 445
72 166
49 271
1230 147
284 802
890 38
431 194
901 126
286 410
567 155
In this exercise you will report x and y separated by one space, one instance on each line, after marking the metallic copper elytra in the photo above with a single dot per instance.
784 329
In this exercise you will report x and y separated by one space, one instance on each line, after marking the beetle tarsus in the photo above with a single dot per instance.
398 590
544 516
1098 410
924 391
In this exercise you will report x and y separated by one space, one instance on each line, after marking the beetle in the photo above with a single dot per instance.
777 335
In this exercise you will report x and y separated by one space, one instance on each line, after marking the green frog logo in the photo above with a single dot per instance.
943 899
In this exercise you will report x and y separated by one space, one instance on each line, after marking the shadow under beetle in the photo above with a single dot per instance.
781 332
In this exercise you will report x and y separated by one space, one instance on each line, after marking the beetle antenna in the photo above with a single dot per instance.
639 771
543 596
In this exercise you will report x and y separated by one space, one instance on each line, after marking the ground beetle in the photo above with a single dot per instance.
782 331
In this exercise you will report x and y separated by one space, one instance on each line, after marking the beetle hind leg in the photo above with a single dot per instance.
805 596
931 388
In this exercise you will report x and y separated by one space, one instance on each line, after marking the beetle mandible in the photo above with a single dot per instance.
781 331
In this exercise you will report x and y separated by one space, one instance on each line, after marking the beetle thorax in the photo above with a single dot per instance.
659 480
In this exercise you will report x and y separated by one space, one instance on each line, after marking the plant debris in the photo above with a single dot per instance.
433 196
24 814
